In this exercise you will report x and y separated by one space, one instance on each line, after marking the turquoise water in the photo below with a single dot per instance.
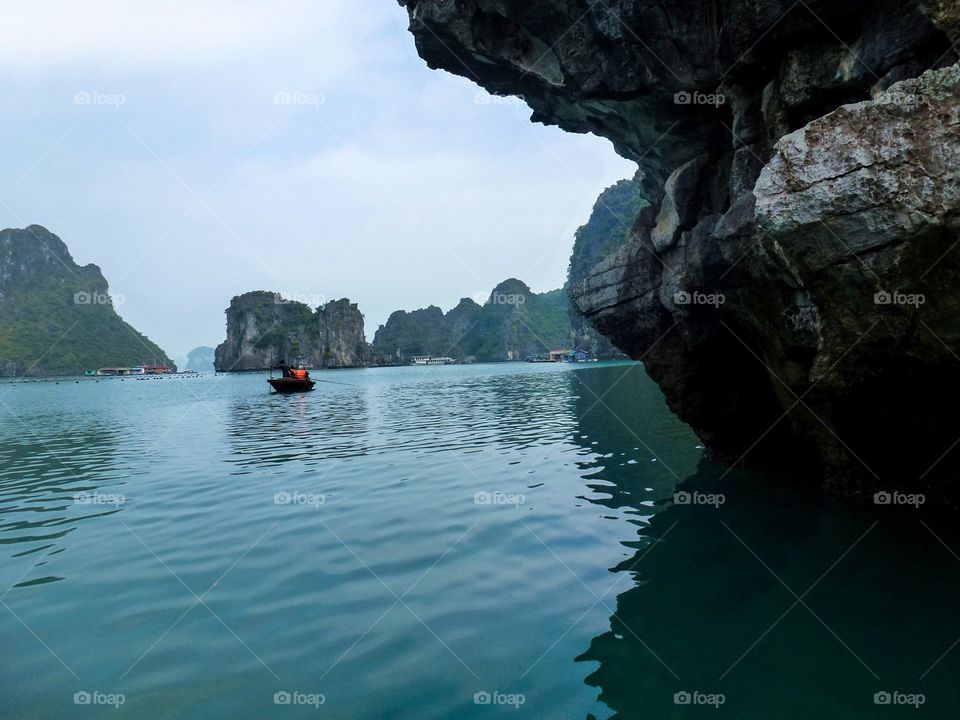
421 539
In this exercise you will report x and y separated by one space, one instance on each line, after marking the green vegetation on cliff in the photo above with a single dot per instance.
421 332
605 232
263 328
608 227
513 324
57 318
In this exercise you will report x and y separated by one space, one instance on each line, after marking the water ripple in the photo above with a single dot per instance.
200 544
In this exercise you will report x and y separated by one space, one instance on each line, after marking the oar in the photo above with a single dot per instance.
333 382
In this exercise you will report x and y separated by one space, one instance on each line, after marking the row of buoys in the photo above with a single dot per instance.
96 379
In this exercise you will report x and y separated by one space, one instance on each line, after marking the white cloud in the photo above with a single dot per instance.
120 37
399 191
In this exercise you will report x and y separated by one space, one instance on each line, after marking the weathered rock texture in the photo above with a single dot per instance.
607 229
264 329
795 185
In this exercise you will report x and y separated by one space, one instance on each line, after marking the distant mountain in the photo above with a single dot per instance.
513 324
200 359
422 332
263 328
516 323
57 318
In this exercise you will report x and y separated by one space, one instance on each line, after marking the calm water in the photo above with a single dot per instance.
399 544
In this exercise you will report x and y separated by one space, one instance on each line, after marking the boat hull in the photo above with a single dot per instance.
291 385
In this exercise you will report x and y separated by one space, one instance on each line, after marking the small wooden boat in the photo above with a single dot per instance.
291 385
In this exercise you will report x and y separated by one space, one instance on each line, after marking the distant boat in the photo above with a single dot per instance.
562 356
139 370
430 360
291 385
111 371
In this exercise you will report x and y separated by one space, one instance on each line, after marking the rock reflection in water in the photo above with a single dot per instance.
788 604
330 422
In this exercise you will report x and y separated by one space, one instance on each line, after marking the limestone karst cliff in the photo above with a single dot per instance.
607 229
57 317
263 328
512 324
200 359
791 284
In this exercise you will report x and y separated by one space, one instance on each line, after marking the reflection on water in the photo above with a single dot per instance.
280 429
637 450
51 482
780 603
416 414
403 588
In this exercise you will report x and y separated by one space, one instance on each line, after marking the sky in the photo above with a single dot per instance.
199 150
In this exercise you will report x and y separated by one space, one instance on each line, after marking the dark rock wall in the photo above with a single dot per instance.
606 231
795 184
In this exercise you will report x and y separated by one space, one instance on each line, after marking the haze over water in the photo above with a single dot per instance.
418 541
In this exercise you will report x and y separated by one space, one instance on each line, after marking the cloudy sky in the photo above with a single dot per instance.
198 150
